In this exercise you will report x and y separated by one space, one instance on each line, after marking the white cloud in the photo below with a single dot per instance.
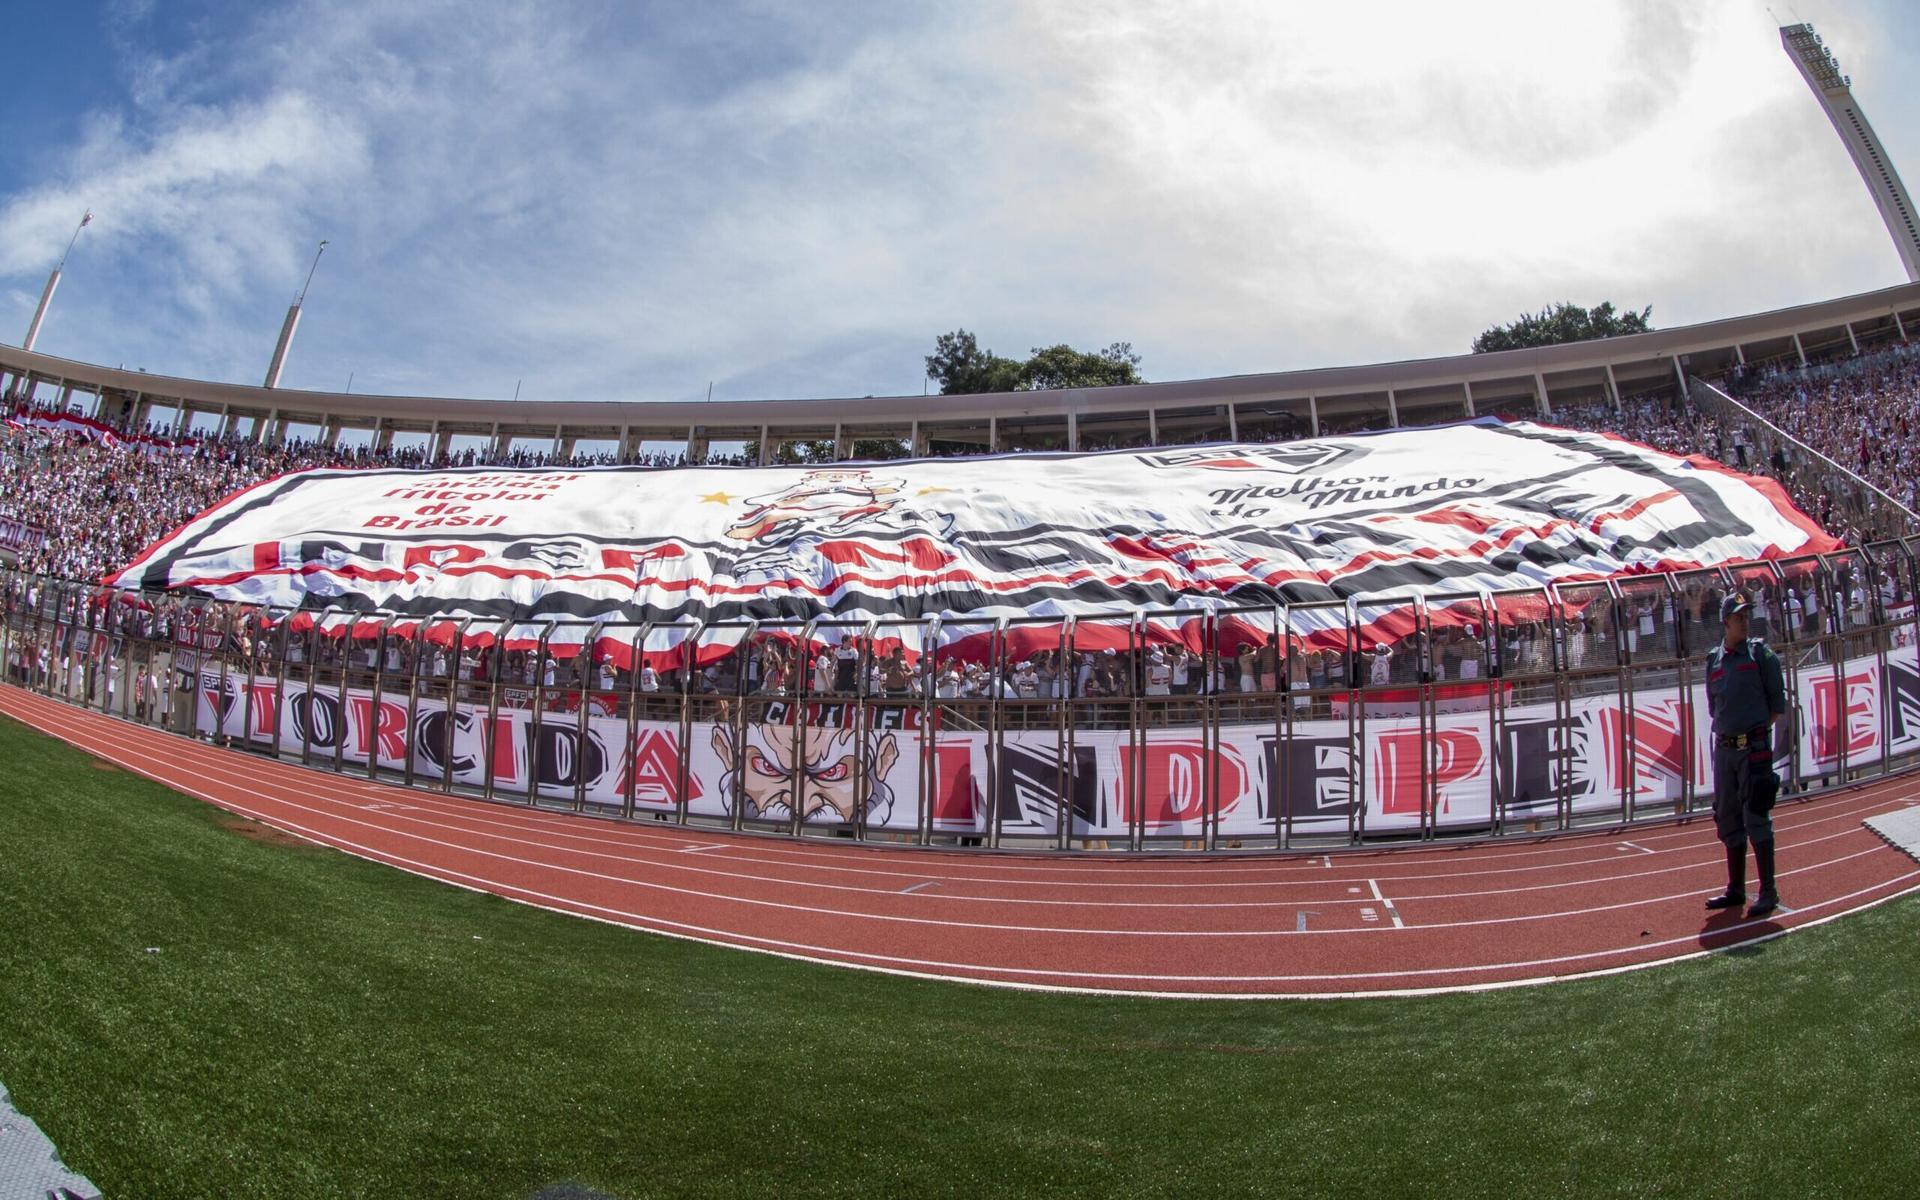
620 202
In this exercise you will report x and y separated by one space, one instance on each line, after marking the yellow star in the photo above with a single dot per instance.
717 498
928 491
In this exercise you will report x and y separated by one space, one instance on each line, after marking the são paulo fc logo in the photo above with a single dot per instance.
1294 458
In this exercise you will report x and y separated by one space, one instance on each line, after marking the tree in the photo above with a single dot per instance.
1064 367
1563 322
961 367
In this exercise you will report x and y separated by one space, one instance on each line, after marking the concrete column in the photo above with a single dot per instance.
1852 340
1899 325
1233 423
1799 349
1073 430
179 419
1153 427
1740 354
766 445
1313 414
1540 404
696 445
382 436
1680 378
436 442
919 441
993 435
1613 389
1393 410
840 442
1466 389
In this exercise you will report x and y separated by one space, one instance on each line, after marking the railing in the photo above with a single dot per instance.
1521 711
1855 500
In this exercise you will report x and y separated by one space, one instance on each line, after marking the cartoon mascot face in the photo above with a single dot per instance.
829 778
821 501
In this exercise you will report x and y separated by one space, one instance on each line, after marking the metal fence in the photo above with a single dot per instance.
1520 711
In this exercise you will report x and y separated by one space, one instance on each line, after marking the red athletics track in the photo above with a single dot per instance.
1398 921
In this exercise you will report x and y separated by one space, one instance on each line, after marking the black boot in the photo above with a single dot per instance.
1736 893
1768 899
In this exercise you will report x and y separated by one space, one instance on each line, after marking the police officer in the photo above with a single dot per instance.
1747 699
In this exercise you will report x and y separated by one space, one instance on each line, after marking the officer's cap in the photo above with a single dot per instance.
1735 603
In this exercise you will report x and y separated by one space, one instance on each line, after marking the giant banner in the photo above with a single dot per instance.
838 770
1477 506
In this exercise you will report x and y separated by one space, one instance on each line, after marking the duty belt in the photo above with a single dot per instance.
1740 741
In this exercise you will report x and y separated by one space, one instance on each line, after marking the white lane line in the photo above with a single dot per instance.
464 810
681 850
916 887
1381 897
464 848
1637 846
460 821
829 956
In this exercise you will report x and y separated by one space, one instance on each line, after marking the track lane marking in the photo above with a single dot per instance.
721 938
815 910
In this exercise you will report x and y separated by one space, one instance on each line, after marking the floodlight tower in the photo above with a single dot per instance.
53 284
279 360
1835 92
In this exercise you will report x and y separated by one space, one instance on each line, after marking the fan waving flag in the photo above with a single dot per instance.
1477 506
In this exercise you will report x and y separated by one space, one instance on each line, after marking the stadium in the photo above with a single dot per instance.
945 763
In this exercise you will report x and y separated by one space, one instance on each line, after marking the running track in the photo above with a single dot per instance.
1399 921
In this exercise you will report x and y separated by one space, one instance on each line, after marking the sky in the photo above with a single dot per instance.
639 201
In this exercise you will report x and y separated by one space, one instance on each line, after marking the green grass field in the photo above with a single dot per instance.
314 1025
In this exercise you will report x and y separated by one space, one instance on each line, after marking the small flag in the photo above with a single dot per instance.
87 219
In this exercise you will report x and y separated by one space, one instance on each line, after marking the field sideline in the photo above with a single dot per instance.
315 1025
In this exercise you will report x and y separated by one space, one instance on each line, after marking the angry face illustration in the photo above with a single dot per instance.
832 781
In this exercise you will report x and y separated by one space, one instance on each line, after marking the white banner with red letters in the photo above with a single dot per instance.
1106 780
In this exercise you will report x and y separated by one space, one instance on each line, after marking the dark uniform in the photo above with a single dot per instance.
1745 692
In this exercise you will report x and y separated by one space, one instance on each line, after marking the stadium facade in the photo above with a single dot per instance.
1259 407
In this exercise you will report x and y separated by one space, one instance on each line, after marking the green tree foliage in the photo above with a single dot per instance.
961 367
1563 322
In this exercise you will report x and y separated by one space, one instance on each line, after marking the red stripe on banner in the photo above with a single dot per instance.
120 578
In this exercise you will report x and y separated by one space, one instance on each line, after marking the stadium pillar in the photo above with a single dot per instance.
1740 354
279 360
839 442
53 283
993 435
1680 377
1800 349
1613 387
1852 340
1540 403
1466 394
1313 414
697 445
1153 427
1073 430
1393 410
766 446
920 442
1899 325
40 313
1233 424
